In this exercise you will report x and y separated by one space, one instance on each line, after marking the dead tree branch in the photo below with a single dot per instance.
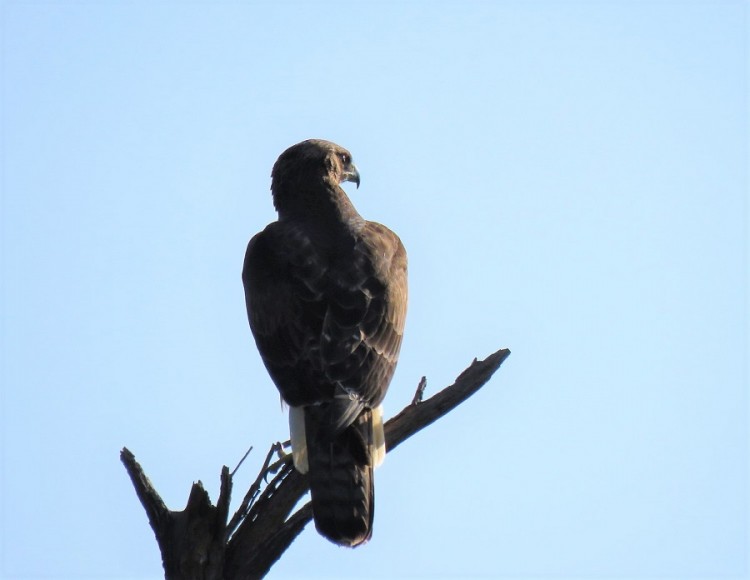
198 543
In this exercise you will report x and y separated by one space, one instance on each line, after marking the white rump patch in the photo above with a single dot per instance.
297 435
299 441
378 437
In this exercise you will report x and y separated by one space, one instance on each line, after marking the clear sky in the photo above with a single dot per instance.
570 181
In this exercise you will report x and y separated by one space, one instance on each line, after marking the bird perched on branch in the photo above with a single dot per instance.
326 298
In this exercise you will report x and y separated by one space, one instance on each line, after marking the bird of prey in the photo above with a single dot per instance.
326 300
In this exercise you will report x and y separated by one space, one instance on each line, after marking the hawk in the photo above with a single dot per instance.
326 300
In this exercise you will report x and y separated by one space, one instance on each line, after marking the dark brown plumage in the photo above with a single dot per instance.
326 298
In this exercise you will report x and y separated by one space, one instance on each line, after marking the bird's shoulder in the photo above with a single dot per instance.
384 249
284 251
310 259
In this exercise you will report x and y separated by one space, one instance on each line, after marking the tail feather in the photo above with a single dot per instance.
341 478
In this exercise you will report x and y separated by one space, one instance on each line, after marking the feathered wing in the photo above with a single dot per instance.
284 279
328 322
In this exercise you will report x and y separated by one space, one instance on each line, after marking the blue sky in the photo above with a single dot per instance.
570 181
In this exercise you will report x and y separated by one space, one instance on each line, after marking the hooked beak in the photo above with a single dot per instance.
351 174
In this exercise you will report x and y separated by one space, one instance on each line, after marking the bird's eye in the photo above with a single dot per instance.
345 159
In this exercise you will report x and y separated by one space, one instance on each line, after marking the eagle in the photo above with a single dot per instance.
326 294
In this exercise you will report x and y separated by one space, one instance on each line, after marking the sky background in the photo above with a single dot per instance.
570 181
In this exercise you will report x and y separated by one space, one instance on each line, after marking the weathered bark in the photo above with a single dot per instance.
192 541
198 543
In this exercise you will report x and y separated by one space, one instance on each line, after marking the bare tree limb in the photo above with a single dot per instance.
241 461
254 490
419 393
198 543
416 417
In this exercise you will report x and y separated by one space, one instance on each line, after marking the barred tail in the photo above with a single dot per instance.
341 477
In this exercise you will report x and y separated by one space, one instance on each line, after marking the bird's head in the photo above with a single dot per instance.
309 165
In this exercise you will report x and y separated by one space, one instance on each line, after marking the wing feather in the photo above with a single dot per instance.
327 321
